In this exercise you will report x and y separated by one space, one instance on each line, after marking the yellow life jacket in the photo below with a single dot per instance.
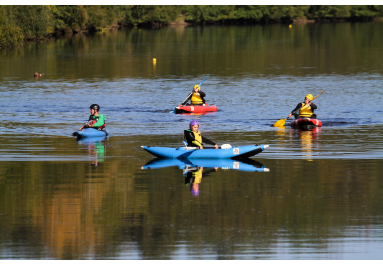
196 99
305 111
197 176
197 137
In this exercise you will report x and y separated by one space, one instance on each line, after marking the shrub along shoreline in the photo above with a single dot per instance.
31 23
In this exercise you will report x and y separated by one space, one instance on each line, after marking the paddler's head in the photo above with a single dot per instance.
94 108
194 189
194 125
308 98
196 88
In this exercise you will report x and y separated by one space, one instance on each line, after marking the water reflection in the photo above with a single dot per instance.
309 137
96 147
196 169
248 165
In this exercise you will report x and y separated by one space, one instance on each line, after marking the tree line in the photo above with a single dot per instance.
24 23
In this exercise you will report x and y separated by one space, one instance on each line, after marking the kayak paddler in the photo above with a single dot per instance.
306 109
196 97
194 138
96 120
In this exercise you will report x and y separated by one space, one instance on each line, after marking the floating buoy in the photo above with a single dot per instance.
290 26
154 60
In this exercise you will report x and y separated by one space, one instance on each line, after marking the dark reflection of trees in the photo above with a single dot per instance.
67 210
225 50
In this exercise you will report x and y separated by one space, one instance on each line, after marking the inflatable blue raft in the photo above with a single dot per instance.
239 152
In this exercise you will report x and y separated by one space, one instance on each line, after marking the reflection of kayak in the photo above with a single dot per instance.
246 165
196 109
90 140
238 152
90 132
306 122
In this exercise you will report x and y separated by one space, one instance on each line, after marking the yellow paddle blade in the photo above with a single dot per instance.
280 123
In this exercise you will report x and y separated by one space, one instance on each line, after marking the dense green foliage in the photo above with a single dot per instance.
18 23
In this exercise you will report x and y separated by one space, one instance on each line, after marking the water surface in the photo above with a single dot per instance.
320 197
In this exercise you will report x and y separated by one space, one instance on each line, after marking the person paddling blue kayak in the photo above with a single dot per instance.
194 138
96 120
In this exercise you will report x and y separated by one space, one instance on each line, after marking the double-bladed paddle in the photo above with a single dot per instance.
281 122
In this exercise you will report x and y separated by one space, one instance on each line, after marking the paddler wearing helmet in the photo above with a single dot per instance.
306 109
194 138
196 97
96 120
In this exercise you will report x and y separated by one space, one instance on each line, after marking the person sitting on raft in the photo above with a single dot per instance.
194 138
196 97
96 120
306 109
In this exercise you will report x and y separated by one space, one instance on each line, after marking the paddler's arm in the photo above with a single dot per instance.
86 124
296 108
202 94
99 123
190 139
207 141
186 100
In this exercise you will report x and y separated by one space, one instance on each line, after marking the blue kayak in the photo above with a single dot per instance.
90 133
238 152
245 165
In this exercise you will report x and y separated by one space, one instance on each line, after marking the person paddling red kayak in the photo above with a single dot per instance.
306 109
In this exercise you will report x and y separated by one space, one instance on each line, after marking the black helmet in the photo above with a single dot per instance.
95 106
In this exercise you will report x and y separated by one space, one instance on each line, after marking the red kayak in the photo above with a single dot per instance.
302 122
196 109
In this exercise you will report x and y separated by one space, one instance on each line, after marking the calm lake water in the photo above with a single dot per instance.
310 195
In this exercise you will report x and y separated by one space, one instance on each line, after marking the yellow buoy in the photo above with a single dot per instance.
154 60
290 26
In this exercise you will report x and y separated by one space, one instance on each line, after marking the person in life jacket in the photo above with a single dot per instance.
96 120
194 138
306 109
196 97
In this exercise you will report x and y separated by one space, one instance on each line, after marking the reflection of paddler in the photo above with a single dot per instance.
97 152
194 177
308 137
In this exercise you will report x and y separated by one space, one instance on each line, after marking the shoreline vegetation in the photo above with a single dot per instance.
19 24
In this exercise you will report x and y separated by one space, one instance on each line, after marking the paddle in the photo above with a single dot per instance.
189 94
281 122
204 80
